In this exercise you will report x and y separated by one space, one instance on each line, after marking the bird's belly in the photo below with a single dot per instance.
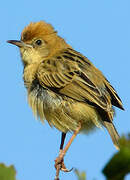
62 112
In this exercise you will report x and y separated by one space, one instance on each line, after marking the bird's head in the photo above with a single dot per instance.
38 41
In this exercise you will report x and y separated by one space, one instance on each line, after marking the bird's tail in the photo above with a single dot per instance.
113 133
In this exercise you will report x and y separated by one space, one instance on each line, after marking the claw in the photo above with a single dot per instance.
59 164
64 169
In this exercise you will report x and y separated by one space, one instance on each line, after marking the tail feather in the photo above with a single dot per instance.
113 133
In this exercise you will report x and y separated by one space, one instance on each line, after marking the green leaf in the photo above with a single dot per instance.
119 166
80 175
7 172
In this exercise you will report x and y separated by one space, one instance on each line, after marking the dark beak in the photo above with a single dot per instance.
15 42
19 43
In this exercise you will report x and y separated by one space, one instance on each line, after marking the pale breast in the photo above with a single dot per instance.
29 74
60 111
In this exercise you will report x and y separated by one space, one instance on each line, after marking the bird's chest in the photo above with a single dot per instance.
60 111
29 74
56 109
43 102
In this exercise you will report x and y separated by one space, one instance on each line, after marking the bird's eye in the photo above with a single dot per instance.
38 42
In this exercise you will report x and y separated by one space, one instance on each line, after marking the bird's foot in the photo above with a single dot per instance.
59 164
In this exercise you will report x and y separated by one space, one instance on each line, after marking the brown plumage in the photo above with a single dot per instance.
63 86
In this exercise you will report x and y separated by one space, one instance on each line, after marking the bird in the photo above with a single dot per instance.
64 87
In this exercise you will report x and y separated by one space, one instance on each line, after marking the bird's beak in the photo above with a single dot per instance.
19 43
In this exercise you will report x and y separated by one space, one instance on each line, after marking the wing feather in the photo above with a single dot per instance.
73 75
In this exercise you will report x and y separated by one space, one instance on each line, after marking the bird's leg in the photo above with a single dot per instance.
59 162
62 141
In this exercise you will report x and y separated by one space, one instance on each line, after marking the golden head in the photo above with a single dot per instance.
35 30
38 41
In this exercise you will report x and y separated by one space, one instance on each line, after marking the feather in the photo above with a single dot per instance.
73 78
113 133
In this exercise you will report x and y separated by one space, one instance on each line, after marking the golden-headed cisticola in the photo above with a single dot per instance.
64 87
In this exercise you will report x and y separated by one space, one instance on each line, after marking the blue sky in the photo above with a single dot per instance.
98 29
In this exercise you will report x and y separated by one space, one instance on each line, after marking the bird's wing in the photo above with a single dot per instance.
115 99
73 75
